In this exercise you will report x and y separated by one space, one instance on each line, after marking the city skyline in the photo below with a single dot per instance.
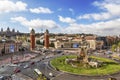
100 17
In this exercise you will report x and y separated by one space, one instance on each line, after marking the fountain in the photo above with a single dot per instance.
82 56
82 59
84 64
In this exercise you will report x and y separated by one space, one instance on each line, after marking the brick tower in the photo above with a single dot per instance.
32 39
46 39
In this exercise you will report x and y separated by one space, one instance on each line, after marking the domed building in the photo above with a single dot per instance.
8 33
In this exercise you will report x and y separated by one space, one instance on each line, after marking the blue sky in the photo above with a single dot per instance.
101 17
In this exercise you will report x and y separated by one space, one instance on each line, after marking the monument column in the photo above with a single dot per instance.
32 39
83 57
46 39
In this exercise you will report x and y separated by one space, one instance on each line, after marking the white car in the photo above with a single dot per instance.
51 74
47 57
1 77
26 66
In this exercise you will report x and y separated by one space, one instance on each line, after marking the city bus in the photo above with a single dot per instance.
40 75
37 71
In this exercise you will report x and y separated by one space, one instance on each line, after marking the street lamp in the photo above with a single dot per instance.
3 52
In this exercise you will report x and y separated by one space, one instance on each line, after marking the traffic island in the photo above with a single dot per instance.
108 67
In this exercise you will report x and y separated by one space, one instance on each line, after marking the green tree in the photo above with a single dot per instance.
28 40
24 38
119 46
52 44
114 47
38 42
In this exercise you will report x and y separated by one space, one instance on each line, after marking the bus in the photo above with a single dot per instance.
38 71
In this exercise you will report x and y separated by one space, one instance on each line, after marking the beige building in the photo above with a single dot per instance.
75 43
92 44
5 47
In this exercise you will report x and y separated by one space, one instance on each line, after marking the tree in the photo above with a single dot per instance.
119 46
24 38
38 42
52 45
114 47
28 40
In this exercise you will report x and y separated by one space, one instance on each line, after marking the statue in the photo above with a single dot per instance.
82 56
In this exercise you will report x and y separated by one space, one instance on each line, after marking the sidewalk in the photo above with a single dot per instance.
17 58
19 76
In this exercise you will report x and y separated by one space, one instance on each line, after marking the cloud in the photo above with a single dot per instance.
109 9
41 10
111 27
71 10
66 19
60 9
95 16
7 6
35 23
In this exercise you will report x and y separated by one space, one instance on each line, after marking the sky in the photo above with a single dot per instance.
101 17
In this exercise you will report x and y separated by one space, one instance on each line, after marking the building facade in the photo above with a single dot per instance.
5 47
8 33
75 43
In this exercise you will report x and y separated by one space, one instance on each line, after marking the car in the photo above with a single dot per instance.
42 58
17 70
109 52
1 77
47 57
51 74
32 63
109 56
20 64
26 66
5 77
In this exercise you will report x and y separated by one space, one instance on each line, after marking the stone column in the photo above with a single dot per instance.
46 39
32 39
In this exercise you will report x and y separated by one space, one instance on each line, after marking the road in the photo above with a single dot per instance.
44 66
68 76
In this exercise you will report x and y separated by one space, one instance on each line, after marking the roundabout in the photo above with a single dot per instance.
108 66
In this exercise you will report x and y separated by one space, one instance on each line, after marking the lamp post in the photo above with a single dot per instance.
3 52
